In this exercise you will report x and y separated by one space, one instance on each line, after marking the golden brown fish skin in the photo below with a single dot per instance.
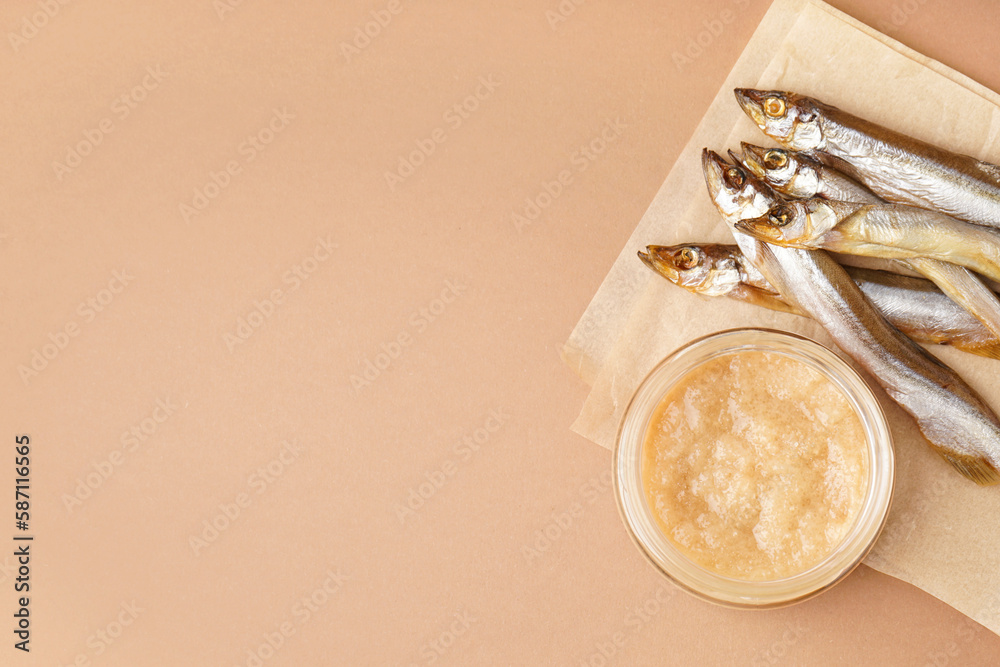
713 269
954 419
924 313
798 176
912 305
708 268
963 287
893 231
896 167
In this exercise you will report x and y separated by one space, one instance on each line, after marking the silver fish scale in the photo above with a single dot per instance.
907 171
950 414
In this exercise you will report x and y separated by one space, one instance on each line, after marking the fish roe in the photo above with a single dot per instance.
755 466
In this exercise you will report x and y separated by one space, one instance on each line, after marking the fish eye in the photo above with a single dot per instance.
688 258
774 107
735 177
779 216
775 159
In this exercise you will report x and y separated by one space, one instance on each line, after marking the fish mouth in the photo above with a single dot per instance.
753 158
659 258
752 102
759 229
735 157
713 165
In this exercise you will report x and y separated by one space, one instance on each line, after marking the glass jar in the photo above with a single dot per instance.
667 557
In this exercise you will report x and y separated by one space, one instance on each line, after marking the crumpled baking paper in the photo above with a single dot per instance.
942 532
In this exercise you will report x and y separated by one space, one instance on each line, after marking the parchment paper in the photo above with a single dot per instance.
942 530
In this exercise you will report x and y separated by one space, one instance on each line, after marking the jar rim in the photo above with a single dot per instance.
666 556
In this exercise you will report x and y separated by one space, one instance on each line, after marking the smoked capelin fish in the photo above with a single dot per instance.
714 269
912 305
896 167
879 230
953 418
798 176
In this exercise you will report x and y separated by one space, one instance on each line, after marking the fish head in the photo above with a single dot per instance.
736 192
798 224
790 119
790 173
708 269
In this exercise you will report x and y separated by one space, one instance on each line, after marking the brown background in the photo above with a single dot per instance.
401 579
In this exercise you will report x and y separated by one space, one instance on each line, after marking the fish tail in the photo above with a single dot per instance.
977 468
765 299
991 350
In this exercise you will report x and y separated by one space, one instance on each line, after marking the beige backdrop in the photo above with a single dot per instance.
283 288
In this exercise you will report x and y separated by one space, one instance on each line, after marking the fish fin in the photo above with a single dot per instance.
991 350
976 468
991 171
765 299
